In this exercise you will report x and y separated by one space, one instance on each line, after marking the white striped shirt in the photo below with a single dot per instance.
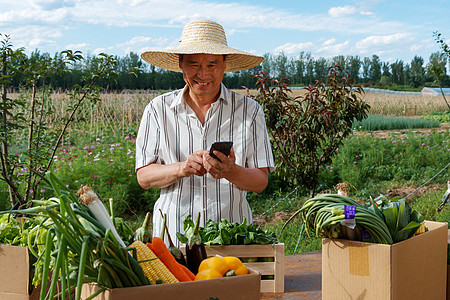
170 131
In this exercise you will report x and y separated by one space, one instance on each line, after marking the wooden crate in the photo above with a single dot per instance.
269 262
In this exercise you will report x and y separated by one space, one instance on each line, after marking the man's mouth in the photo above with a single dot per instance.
201 83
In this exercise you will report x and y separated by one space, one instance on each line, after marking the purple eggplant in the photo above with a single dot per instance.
195 249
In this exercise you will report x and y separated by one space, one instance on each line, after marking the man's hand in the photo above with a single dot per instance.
248 179
158 176
218 169
194 164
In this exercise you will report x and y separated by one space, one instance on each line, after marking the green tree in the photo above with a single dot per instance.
375 69
281 65
267 67
22 171
354 66
320 68
366 69
341 61
398 72
438 63
417 72
300 67
307 130
385 69
309 70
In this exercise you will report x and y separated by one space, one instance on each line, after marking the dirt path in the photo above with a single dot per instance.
388 133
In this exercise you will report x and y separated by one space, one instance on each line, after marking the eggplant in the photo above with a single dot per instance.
195 249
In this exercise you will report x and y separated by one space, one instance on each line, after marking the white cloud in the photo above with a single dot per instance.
342 11
99 50
80 46
294 48
331 49
143 43
383 40
329 42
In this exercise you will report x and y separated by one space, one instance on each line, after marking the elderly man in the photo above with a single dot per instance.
178 128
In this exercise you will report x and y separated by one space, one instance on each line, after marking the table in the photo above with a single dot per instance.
302 277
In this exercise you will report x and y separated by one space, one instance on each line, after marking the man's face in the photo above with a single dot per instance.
203 73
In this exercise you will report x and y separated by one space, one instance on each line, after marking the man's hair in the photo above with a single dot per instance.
180 57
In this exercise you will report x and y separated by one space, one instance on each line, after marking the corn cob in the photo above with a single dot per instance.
420 230
154 269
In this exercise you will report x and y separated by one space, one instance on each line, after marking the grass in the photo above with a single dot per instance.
378 122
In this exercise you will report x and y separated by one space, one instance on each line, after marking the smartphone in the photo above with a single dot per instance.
224 147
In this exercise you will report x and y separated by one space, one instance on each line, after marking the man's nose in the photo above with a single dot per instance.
202 72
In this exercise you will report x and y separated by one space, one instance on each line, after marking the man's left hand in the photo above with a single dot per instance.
219 169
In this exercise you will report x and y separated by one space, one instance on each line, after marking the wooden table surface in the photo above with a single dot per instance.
302 277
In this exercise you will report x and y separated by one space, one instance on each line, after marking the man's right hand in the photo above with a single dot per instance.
158 176
194 164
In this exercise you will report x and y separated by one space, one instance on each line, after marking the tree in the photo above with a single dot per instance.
397 72
309 70
22 171
266 64
417 72
385 69
281 65
307 130
437 68
300 67
366 69
354 65
341 61
375 68
320 68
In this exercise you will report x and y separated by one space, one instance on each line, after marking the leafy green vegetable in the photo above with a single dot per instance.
401 220
227 233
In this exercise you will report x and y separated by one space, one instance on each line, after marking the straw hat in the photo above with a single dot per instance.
202 37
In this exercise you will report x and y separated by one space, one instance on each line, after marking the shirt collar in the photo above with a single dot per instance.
179 98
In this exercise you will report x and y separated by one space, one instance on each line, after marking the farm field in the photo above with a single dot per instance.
99 150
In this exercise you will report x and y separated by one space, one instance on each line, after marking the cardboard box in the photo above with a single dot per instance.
448 282
15 274
269 262
412 269
244 287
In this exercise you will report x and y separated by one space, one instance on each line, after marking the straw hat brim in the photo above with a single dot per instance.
236 60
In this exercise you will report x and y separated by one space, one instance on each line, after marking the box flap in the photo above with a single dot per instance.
9 296
15 270
412 271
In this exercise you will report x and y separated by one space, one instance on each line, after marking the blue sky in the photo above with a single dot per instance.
393 30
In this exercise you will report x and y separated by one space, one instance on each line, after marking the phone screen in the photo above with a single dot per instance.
224 147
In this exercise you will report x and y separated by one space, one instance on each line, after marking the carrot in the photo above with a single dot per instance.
188 272
149 245
160 249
